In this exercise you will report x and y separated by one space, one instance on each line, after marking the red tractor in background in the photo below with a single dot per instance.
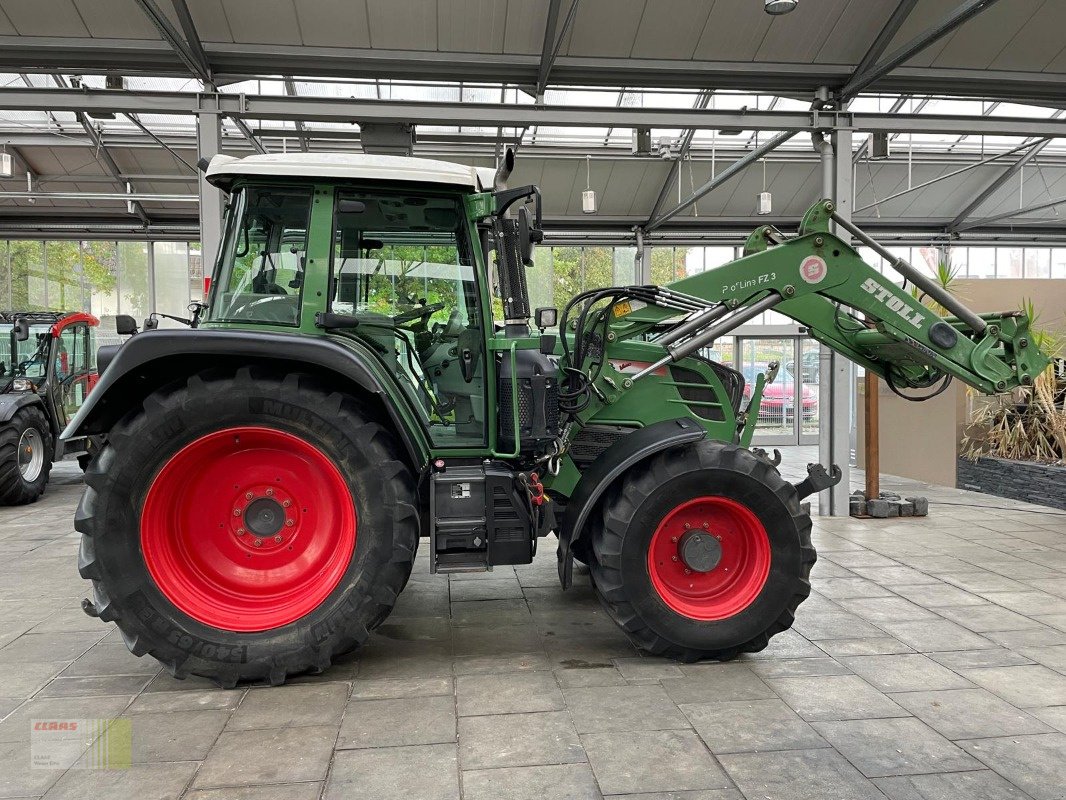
46 373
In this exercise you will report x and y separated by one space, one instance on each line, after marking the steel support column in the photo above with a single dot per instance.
208 145
836 388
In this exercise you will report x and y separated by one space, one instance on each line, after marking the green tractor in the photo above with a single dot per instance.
45 377
364 375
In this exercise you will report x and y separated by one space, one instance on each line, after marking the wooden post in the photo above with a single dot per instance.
871 434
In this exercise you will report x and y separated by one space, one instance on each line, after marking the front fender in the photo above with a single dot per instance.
11 403
608 467
150 360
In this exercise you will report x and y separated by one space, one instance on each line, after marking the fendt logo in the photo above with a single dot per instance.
892 302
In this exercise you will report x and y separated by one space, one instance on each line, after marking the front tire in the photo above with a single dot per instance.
26 450
247 527
703 551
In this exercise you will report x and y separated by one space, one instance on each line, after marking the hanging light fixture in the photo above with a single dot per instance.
778 7
588 197
7 165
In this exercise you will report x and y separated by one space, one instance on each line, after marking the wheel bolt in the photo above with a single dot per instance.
270 492
673 558
289 523
688 572
286 503
236 512
258 542
240 531
705 526
718 536
277 539
248 495
687 526
673 539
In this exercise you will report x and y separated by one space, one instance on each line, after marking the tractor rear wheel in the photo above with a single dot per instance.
247 526
26 449
702 551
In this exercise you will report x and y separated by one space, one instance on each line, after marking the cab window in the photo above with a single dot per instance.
264 257
403 266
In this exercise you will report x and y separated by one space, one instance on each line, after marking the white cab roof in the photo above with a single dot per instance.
224 169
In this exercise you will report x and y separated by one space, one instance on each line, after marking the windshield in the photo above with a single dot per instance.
28 359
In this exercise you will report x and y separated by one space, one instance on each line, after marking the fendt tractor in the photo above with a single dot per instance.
363 374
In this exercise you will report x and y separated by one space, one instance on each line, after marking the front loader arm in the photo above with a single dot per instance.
819 280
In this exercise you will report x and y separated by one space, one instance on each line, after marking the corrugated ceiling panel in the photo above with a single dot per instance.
471 26
116 19
926 14
525 26
403 24
977 43
734 31
333 23
854 28
605 28
671 28
262 22
211 21
45 18
1038 42
798 37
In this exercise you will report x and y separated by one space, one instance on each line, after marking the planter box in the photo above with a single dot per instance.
1043 484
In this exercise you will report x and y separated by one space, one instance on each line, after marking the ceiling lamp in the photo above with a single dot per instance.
777 7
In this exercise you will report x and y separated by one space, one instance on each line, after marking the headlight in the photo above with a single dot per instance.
23 385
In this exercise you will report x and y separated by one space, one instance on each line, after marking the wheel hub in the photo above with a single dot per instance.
30 454
699 550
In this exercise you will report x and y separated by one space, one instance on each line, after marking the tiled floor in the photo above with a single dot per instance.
929 663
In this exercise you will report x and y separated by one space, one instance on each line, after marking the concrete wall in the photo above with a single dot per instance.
920 440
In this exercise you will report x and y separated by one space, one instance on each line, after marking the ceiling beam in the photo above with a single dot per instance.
290 90
962 14
170 35
981 223
246 132
733 169
997 182
231 62
553 41
192 36
887 34
326 109
675 168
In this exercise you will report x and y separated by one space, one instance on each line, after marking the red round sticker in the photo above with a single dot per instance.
813 269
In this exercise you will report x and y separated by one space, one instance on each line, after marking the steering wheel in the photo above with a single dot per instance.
417 313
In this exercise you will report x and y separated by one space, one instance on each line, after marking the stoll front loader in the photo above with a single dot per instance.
347 390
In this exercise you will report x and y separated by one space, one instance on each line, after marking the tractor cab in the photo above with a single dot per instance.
47 369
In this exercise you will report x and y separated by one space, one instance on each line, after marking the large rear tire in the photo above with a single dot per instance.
247 526
703 551
26 451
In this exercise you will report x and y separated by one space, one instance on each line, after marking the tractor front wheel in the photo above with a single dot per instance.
703 551
26 449
247 526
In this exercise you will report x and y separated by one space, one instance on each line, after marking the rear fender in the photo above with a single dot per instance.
10 404
148 361
606 469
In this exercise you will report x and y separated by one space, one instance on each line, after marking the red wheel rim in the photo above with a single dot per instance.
248 529
743 562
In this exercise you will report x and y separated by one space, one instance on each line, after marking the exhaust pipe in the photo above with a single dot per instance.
503 172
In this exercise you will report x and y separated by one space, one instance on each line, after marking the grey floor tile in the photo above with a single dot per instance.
706 683
162 702
798 775
560 782
969 714
95 686
290 706
938 635
389 688
789 644
703 794
142 781
797 667
905 673
390 723
881 747
627 762
751 726
645 669
835 697
284 755
511 693
19 779
425 772
844 588
874 646
979 785
988 617
501 662
519 740
16 726
26 679
1036 764
1024 686
969 659
175 735
1051 657
833 625
886 609
934 595
1037 636
576 677
37 647
1054 716
283 791
599 709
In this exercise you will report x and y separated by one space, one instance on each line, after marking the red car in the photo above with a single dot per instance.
779 398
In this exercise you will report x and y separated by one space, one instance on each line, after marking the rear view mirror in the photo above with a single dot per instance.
125 325
22 329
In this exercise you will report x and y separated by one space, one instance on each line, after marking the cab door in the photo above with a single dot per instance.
74 369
